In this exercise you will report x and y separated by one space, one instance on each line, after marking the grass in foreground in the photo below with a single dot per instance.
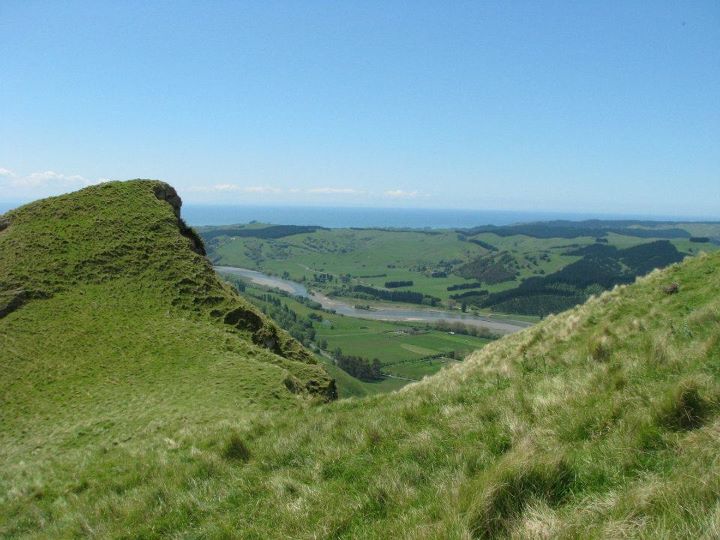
601 422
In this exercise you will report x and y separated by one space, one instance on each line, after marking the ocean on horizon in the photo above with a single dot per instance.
338 217
198 215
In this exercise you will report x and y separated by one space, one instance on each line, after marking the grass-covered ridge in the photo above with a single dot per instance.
114 326
598 422
124 231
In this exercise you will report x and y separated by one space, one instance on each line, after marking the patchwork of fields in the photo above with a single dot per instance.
524 271
530 270
407 351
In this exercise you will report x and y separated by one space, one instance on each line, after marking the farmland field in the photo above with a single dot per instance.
523 271
528 270
405 350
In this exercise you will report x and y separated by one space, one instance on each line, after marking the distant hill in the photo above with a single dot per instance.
530 269
601 267
591 227
258 231
130 409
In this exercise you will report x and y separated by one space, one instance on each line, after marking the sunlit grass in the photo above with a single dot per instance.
599 422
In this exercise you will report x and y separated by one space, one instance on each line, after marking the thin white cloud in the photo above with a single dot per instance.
401 194
335 191
271 190
16 186
225 187
233 188
50 178
262 189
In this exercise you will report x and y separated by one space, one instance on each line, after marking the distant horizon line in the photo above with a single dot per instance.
6 206
611 216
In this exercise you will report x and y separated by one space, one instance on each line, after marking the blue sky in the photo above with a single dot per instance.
540 105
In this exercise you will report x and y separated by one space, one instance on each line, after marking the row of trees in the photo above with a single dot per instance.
358 367
396 284
463 286
465 329
469 294
411 297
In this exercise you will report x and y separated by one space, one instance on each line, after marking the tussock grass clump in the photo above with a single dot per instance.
685 408
600 349
498 440
235 449
506 491
374 436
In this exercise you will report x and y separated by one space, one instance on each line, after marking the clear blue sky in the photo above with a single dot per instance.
539 105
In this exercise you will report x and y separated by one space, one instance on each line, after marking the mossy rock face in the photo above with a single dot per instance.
167 193
323 387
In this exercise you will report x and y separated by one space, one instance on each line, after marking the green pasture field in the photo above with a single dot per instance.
373 256
402 348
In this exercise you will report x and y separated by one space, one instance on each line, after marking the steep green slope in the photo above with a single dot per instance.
599 422
114 326
128 231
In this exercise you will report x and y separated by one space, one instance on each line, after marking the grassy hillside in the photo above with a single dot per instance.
599 422
114 326
108 236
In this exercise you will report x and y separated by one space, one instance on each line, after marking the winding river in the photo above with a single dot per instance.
380 313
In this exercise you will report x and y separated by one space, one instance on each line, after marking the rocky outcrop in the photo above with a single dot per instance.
262 333
167 193
671 289
4 223
265 333
11 300
196 243
326 388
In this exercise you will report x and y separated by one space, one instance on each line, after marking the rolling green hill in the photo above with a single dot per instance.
531 269
131 409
